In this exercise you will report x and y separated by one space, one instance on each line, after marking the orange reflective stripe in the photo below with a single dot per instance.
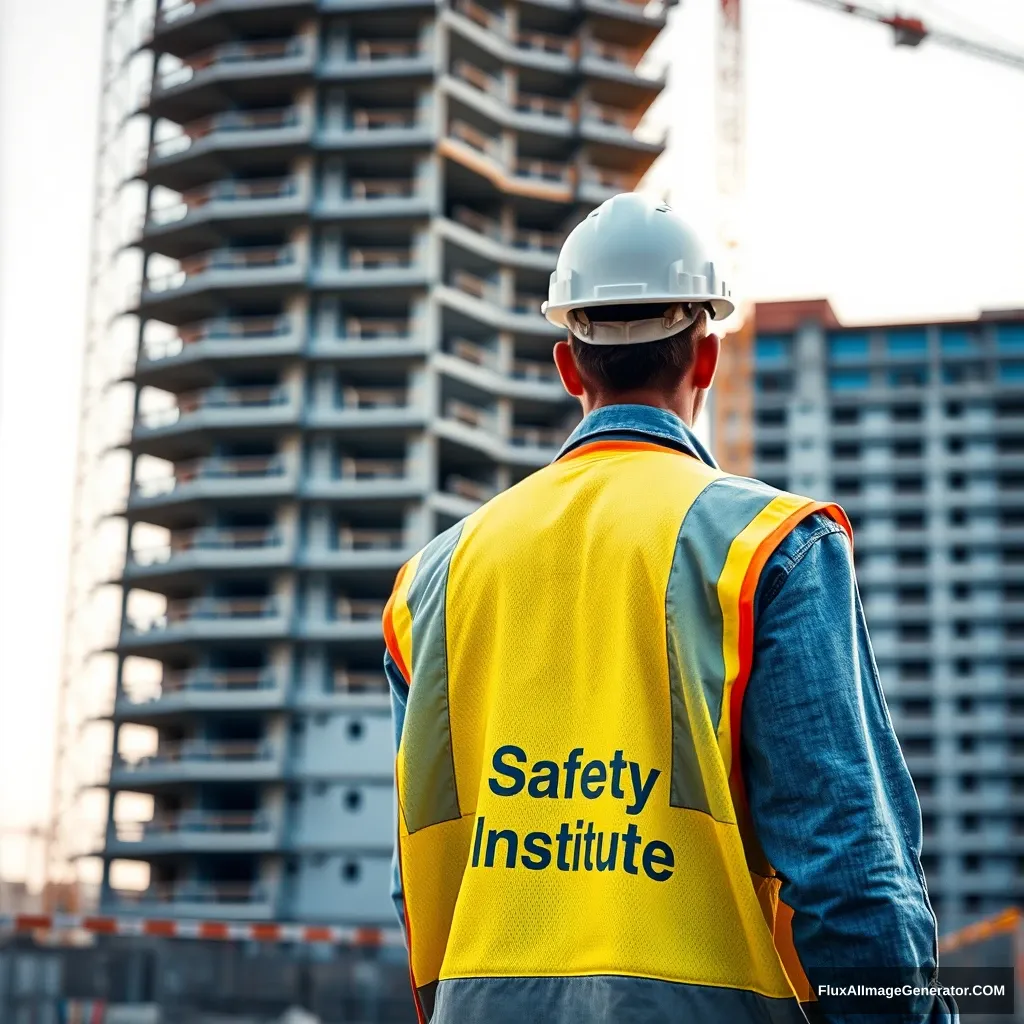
388 622
618 446
746 624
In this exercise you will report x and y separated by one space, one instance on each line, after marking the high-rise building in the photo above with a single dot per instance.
353 208
917 430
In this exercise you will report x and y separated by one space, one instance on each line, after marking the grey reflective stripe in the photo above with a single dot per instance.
430 794
693 620
603 999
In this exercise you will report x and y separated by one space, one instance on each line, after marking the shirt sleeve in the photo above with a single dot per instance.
832 801
399 699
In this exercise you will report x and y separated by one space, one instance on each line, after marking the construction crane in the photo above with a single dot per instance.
731 129
731 146
733 392
913 32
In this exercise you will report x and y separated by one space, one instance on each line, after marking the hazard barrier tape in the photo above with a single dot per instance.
1001 923
186 929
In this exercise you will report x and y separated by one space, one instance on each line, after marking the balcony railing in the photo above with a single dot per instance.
479 223
613 53
232 53
214 468
545 106
373 120
536 437
375 50
486 144
372 469
381 258
170 894
195 822
613 117
343 680
354 609
374 398
606 178
470 415
527 304
479 79
255 258
205 609
358 539
523 167
228 121
529 369
464 487
382 188
520 238
372 328
543 170
223 192
240 329
206 539
542 42
484 17
203 751
478 287
227 679
191 402
221 608
471 352
538 241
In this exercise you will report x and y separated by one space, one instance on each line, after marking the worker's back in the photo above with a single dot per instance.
573 829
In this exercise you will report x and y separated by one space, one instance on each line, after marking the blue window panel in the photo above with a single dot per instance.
956 339
1010 337
910 377
772 349
848 346
849 380
905 343
1012 372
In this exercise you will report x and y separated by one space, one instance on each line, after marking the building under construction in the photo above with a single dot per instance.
351 210
917 430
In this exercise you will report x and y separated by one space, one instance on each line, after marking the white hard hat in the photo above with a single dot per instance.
634 250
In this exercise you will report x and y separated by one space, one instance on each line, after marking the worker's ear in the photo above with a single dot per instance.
705 361
567 368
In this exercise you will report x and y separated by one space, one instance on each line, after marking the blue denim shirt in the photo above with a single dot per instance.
832 801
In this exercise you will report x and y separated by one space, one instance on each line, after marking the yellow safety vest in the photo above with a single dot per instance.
568 778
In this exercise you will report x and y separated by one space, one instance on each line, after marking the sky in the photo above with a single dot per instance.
890 180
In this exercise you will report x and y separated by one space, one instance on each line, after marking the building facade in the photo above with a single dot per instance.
353 208
917 430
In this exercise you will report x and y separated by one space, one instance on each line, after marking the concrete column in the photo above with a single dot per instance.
505 352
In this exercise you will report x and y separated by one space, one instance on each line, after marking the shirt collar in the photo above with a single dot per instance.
641 422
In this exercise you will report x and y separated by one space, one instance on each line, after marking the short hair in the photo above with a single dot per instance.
655 364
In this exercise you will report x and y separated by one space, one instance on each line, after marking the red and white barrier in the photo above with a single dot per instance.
186 929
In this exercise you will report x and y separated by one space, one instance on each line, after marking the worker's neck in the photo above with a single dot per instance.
682 403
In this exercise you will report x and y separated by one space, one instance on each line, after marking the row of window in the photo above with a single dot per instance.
906 449
919 594
914 484
901 412
966 704
907 377
771 349
919 670
971 782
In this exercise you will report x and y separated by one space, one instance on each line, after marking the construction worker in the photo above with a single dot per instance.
645 772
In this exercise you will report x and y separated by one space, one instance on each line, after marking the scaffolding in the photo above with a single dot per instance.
103 468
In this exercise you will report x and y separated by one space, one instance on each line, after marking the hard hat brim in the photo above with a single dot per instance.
721 306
